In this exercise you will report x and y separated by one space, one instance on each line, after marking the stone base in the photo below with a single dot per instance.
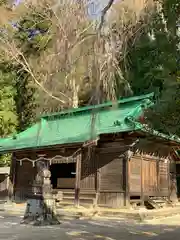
40 221
40 212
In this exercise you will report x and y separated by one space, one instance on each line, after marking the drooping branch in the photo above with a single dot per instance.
77 52
19 58
103 13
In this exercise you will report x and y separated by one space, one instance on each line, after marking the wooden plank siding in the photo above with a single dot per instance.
112 180
88 171
149 176
105 172
154 176
135 175
112 173
164 179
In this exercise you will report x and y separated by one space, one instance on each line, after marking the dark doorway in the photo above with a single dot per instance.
63 175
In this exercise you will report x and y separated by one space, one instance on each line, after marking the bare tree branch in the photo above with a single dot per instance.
103 13
20 59
78 51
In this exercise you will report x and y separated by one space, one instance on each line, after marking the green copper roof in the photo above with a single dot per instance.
75 125
103 105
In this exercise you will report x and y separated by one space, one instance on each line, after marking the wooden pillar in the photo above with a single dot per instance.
126 170
97 179
158 177
127 183
12 178
78 178
142 182
169 180
173 183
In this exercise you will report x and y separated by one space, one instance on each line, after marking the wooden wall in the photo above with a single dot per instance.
135 175
101 173
111 180
88 170
104 170
163 180
155 177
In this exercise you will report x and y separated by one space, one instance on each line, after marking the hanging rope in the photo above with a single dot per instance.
60 158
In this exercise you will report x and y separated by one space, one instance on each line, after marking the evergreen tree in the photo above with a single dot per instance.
24 100
151 65
8 116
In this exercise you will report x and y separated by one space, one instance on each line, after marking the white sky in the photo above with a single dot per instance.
96 6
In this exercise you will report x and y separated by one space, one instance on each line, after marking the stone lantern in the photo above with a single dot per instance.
41 205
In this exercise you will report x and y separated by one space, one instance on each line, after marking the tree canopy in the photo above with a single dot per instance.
54 58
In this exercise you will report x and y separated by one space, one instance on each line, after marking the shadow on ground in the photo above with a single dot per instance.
10 228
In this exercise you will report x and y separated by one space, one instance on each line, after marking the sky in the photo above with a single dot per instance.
94 7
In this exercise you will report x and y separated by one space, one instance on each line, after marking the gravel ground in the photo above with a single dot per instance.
164 229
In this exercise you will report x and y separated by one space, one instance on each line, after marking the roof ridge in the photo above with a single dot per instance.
102 105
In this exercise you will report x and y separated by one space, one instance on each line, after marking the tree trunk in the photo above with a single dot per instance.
75 94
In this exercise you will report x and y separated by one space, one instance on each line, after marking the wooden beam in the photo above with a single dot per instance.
120 149
78 178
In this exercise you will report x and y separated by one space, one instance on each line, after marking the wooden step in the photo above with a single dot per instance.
63 203
82 194
67 201
156 202
72 197
71 204
72 190
68 196
159 201
82 200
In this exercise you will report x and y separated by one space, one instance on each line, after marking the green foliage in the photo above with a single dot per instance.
5 160
33 32
33 36
16 102
151 66
3 2
8 117
24 99
165 115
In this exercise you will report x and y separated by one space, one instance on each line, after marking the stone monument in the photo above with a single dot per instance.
41 205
